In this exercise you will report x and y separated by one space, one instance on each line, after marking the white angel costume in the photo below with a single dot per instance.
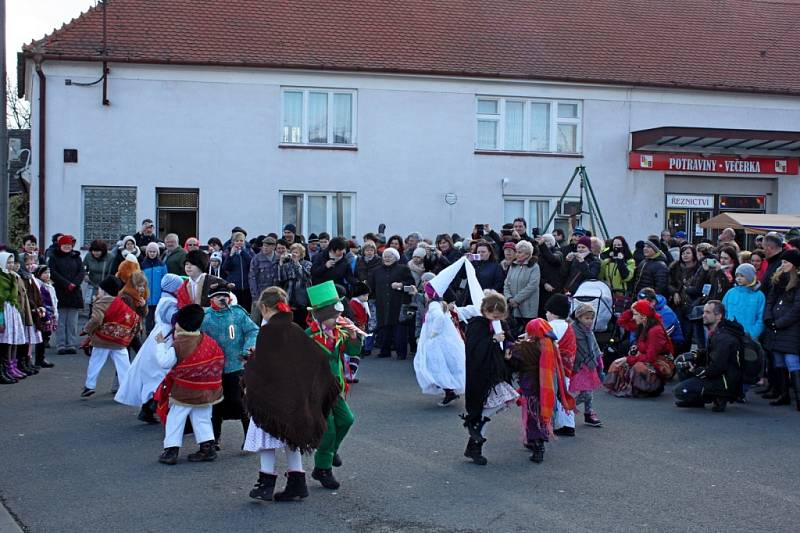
440 362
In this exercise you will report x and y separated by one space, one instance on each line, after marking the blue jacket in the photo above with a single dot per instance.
746 305
154 269
217 325
236 268
670 320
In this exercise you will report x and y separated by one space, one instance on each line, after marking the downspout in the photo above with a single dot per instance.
42 146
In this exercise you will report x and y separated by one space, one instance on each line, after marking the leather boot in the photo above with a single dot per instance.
147 413
772 379
474 451
169 456
24 363
15 372
5 377
325 477
782 387
264 487
538 451
795 377
205 453
474 427
295 488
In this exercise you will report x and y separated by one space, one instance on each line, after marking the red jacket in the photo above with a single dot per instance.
655 343
360 316
568 348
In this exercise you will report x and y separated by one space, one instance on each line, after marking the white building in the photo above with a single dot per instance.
425 116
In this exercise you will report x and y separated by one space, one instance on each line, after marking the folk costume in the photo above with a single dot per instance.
191 388
538 364
49 322
559 305
145 373
231 327
290 391
361 313
488 388
114 322
198 291
335 342
588 360
13 336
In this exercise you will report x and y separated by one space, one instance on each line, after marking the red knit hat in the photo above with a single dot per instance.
644 307
586 241
66 239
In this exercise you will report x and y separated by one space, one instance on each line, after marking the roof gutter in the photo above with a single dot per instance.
42 146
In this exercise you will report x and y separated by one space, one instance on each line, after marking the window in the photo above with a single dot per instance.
537 211
177 212
315 212
528 125
318 117
108 213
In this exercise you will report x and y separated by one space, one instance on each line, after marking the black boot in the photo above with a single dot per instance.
795 378
474 427
538 451
169 456
295 488
264 487
325 477
770 393
718 405
147 413
205 453
337 461
474 451
782 387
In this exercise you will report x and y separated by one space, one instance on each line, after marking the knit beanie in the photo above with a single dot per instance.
747 271
420 252
190 318
586 241
650 244
153 247
392 251
644 307
793 256
171 283
558 304
111 285
197 258
582 309
549 240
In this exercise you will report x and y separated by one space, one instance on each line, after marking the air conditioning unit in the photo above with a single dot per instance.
568 208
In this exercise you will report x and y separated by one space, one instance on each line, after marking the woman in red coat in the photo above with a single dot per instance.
649 363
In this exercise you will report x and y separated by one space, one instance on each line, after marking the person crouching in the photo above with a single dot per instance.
191 388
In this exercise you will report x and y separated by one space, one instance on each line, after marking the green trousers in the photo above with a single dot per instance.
339 421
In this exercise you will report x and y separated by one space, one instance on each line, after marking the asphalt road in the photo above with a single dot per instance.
76 465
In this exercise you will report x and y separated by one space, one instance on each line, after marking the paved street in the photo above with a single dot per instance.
73 465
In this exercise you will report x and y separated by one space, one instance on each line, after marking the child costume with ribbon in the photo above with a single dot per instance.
335 342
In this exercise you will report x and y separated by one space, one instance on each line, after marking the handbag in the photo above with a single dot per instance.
407 313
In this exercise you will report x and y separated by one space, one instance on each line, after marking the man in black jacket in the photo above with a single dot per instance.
773 249
716 374
653 271
331 265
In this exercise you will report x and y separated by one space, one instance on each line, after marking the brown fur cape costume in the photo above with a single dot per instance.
289 387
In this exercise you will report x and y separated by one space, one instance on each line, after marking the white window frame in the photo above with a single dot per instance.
552 206
330 196
304 120
555 121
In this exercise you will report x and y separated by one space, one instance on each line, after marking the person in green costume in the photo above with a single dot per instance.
337 336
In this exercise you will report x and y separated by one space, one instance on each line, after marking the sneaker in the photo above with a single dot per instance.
591 419
448 399
565 432
325 477
87 392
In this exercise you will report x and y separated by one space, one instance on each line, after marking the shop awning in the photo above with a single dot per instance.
752 222
717 141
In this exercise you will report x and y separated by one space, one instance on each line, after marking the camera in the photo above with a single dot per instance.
685 360
535 232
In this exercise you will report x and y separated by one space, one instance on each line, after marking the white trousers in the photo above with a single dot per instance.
98 360
200 415
294 460
563 418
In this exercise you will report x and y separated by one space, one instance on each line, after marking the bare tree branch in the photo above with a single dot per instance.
18 110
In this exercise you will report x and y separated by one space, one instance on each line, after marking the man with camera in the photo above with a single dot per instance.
715 375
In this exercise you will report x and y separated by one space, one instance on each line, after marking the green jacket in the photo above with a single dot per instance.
174 261
610 273
344 346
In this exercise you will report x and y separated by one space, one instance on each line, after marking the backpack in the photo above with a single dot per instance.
751 360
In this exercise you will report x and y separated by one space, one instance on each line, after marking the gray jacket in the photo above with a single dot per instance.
522 285
263 273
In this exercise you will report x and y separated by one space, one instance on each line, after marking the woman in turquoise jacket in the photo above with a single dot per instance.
745 302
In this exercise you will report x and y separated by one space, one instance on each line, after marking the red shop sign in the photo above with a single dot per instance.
713 164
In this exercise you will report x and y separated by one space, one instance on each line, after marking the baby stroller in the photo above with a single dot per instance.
597 294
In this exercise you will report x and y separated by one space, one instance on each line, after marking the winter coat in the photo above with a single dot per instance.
490 275
652 273
364 268
295 279
773 263
719 281
522 285
745 305
722 376
236 269
576 272
388 300
155 270
218 325
683 282
485 364
263 273
174 261
782 318
340 272
670 320
98 269
618 273
550 264
65 270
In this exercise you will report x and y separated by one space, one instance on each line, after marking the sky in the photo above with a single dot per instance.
27 20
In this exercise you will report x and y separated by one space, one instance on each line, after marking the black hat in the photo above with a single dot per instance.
290 227
360 289
197 258
111 285
558 304
239 230
190 318
313 238
216 289
793 256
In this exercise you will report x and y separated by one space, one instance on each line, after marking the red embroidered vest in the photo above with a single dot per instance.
120 323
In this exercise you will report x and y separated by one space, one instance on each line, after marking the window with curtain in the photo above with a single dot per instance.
318 116
316 212
528 125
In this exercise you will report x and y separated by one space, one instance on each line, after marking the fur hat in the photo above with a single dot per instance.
190 318
126 268
360 289
197 258
582 309
558 304
171 283
111 285
793 256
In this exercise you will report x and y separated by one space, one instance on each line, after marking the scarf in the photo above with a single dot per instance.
588 349
289 387
551 373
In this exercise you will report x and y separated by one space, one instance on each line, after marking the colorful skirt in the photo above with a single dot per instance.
585 379
501 397
641 379
257 439
15 332
33 335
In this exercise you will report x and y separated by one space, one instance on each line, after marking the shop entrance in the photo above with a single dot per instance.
688 221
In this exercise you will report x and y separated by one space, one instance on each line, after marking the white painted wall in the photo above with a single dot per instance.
218 130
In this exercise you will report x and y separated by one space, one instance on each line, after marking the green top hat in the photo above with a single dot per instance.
323 295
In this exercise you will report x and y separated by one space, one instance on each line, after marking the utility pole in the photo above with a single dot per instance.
3 131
